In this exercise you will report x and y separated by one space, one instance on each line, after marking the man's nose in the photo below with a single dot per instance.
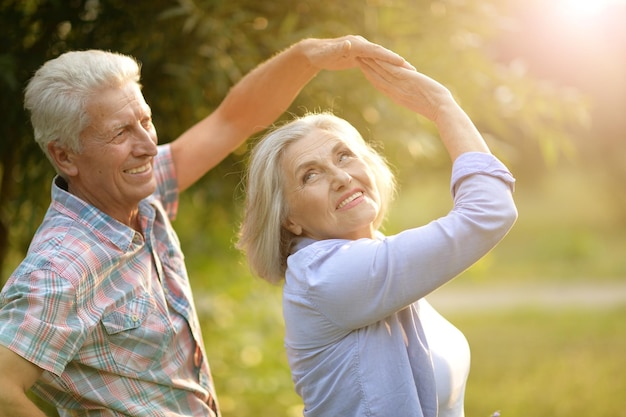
145 143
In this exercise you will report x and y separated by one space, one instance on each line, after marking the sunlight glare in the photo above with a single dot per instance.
586 7
581 11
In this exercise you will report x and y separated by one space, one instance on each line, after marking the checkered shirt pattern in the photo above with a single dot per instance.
108 313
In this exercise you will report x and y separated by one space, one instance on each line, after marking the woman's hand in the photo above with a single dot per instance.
408 87
429 98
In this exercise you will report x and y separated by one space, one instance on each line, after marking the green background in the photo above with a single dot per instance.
544 84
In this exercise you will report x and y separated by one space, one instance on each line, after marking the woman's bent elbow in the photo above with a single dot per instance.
508 216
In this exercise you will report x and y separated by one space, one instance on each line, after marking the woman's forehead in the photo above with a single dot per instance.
314 144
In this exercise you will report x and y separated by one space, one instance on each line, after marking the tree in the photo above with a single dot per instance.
192 52
177 65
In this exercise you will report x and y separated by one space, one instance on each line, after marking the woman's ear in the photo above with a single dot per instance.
63 159
294 228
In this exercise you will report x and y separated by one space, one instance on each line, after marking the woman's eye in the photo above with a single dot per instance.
344 156
308 176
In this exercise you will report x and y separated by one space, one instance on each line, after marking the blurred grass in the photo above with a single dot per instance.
525 361
546 363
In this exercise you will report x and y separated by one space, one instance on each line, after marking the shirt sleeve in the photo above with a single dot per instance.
39 321
167 181
356 283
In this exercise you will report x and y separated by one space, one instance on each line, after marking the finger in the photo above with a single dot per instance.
376 75
408 65
370 50
335 50
346 47
403 63
386 70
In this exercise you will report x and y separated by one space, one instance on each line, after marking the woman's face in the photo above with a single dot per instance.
329 190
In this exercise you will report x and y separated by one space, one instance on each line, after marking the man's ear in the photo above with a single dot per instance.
294 228
63 159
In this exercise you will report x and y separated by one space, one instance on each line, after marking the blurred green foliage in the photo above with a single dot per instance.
192 52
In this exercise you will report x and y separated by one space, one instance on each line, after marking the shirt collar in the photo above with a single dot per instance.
302 242
93 218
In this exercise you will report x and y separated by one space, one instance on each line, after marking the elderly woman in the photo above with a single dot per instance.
360 337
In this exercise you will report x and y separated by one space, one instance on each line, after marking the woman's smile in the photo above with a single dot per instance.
351 198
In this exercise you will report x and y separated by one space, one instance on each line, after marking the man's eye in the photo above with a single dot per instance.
118 134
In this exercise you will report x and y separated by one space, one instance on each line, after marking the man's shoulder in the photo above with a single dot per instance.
63 243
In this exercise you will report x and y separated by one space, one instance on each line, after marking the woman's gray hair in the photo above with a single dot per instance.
57 94
262 236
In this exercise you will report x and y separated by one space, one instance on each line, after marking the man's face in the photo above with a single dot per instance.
114 169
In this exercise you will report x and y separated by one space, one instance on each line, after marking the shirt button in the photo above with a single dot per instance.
197 357
134 318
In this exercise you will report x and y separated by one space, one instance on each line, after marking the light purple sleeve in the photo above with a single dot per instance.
355 283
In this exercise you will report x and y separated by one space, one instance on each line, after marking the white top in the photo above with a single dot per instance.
450 354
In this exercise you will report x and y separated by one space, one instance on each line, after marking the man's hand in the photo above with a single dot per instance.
345 52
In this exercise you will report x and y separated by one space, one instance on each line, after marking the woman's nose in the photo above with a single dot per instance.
341 178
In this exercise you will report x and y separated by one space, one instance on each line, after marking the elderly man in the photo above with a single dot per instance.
99 319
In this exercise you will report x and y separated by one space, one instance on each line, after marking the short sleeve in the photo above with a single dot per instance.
167 181
39 321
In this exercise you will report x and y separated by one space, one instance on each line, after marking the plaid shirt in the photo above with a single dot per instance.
107 312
